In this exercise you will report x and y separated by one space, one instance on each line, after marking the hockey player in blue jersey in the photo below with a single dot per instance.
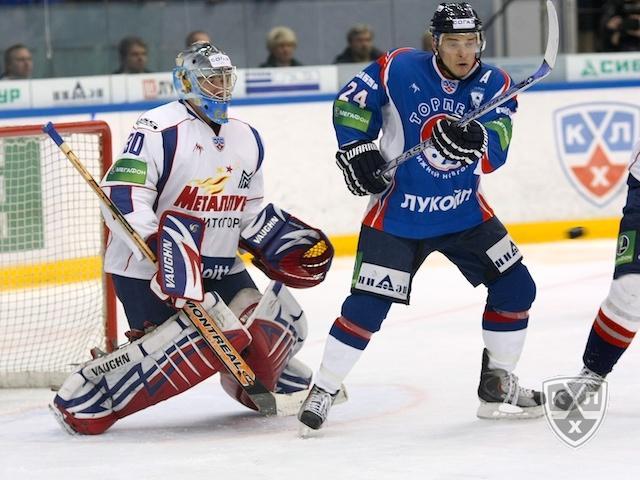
432 202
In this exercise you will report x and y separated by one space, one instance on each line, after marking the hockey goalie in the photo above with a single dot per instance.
189 180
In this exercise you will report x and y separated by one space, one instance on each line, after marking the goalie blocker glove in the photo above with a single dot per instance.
361 165
287 249
463 144
179 276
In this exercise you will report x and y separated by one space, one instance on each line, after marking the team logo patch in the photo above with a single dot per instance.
449 86
477 95
245 179
594 141
430 159
577 425
219 143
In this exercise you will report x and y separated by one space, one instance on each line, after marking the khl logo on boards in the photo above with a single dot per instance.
580 423
594 142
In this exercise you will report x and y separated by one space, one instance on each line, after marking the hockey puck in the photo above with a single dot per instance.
575 232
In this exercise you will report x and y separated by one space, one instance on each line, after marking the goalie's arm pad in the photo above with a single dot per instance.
287 249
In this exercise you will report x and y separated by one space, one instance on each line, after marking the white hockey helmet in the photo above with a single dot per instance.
204 74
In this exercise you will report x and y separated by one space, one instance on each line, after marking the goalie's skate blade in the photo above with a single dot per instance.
306 432
57 414
498 411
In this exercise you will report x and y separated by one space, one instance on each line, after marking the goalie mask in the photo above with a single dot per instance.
456 18
204 75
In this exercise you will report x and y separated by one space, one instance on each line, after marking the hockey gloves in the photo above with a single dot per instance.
286 249
361 165
179 276
463 144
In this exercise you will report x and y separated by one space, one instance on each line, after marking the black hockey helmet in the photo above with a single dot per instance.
456 18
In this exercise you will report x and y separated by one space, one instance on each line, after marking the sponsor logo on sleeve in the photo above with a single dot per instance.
626 247
128 170
503 128
351 116
504 254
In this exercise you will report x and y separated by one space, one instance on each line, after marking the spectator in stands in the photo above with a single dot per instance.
360 47
18 63
197 36
427 42
281 44
621 26
133 55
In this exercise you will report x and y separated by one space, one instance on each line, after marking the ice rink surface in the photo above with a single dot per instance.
411 413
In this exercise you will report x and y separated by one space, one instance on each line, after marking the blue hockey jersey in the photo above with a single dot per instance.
403 94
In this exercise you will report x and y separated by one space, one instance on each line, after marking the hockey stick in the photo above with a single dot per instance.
267 402
553 37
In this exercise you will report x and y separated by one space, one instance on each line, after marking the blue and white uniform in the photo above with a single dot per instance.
403 94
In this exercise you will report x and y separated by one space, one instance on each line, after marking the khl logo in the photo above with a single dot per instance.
594 142
580 422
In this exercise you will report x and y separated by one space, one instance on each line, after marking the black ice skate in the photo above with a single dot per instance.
586 383
315 409
502 397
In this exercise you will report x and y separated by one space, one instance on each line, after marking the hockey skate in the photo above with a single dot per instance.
502 397
586 383
315 409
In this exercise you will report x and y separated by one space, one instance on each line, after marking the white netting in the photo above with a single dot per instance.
52 300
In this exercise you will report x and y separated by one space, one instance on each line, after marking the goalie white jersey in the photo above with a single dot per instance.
174 161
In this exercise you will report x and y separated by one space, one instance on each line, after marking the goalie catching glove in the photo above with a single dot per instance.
463 144
179 276
287 249
361 165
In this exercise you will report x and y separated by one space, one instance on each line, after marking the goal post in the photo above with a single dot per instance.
55 301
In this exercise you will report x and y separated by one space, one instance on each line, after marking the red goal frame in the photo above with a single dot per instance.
101 128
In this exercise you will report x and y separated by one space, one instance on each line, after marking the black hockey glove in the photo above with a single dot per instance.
361 164
463 144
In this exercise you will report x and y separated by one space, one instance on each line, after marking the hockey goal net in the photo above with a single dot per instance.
55 302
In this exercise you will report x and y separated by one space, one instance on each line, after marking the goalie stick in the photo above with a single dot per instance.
268 403
549 61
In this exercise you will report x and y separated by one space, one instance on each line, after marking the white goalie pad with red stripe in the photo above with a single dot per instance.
163 363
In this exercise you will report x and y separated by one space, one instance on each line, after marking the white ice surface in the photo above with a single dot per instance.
412 408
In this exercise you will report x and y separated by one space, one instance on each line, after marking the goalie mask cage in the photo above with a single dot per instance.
55 302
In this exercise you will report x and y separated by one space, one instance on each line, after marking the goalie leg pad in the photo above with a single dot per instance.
167 361
278 327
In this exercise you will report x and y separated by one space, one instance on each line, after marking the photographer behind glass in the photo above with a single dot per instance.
621 26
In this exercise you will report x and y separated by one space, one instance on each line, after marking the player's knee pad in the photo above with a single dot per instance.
163 363
278 328
514 291
622 305
366 311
